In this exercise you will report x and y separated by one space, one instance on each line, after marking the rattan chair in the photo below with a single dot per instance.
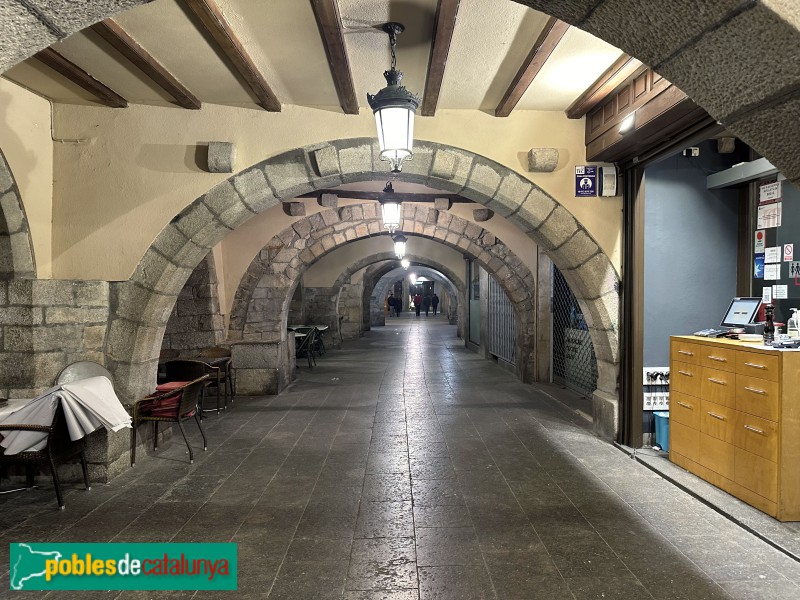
220 357
58 450
186 369
305 343
171 406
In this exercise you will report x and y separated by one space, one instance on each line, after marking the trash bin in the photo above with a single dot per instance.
662 430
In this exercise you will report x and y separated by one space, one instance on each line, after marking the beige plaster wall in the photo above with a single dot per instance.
28 148
141 168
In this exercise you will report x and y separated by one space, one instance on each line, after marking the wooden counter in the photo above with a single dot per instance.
735 420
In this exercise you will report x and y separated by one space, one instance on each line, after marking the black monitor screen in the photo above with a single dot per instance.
741 312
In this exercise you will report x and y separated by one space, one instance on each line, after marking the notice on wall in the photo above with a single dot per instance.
585 181
769 191
760 239
794 269
769 215
772 272
780 292
788 252
766 295
772 255
758 266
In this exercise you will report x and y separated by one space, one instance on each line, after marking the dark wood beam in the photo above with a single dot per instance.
547 41
329 22
445 24
219 28
402 197
112 33
624 67
79 77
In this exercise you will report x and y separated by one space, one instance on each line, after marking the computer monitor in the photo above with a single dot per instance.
740 312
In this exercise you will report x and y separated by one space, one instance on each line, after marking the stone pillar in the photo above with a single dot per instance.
349 307
263 367
544 319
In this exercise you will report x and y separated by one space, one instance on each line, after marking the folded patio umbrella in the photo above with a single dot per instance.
88 404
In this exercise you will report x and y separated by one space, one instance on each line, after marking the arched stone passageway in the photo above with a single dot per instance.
141 305
737 59
448 289
261 306
16 248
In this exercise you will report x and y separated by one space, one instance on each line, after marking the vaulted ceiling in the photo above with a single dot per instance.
492 55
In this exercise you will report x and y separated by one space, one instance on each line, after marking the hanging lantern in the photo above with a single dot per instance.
394 108
390 208
405 263
400 245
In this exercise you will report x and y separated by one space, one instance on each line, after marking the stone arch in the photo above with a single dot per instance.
141 305
16 250
725 56
373 296
261 304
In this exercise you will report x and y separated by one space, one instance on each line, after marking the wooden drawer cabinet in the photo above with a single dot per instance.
735 420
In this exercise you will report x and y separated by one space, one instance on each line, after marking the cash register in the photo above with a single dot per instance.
738 318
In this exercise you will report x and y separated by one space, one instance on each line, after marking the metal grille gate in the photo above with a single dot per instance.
501 327
574 362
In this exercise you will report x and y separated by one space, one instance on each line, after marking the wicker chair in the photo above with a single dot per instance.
220 358
58 450
186 369
174 405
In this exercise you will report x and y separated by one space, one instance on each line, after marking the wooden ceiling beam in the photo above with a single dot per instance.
445 24
79 77
217 25
624 67
329 22
115 35
547 41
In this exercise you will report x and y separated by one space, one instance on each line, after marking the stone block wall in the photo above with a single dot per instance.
46 325
263 367
350 308
196 322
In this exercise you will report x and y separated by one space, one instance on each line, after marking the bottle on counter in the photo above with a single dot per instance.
769 327
793 327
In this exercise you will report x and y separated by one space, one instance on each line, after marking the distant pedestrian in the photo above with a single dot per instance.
417 303
426 304
390 301
435 303
398 305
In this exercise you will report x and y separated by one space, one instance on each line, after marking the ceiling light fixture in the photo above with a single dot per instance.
400 245
390 208
628 123
394 107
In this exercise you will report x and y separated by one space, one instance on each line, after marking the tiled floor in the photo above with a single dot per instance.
406 467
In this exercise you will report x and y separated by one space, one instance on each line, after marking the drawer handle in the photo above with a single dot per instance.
755 390
754 365
717 381
684 405
686 373
717 358
716 416
751 428
686 352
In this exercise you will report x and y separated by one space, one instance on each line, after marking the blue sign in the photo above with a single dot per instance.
585 181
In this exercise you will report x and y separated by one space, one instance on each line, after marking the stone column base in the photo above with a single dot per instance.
605 415
263 367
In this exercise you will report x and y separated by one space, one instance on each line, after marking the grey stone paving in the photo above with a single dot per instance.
406 467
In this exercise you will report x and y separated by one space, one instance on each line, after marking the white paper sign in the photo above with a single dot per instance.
794 269
788 252
766 295
769 215
780 292
772 255
760 239
772 272
769 192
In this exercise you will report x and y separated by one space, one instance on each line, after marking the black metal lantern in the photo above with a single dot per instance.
400 245
390 208
394 108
